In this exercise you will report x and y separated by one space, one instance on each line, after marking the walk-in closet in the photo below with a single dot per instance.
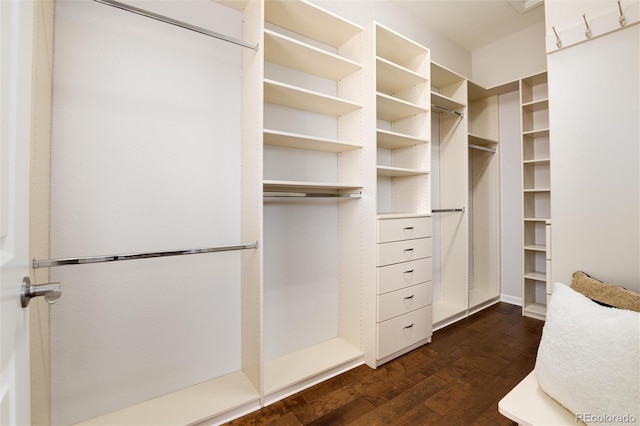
294 163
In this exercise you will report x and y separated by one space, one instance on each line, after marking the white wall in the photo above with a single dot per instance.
594 105
443 51
511 58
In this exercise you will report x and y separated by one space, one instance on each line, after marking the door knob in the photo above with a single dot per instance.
50 291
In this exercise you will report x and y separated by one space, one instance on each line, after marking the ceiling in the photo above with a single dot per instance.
475 23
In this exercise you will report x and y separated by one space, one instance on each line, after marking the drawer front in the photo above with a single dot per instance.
400 332
400 275
400 302
404 229
404 251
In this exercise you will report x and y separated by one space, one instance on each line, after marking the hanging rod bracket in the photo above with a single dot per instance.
181 24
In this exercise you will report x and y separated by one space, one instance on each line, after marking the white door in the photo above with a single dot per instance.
16 28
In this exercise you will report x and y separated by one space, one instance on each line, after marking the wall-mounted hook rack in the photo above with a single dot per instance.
558 41
622 19
587 32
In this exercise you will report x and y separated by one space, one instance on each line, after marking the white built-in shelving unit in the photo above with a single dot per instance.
401 118
313 143
449 99
536 194
484 196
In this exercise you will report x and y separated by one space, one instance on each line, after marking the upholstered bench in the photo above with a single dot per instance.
588 364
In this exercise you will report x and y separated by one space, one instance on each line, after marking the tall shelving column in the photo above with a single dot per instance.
484 196
536 193
400 93
313 208
449 97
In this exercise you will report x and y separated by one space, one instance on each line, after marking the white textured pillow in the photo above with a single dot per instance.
589 359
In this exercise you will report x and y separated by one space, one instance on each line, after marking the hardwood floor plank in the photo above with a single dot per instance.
457 379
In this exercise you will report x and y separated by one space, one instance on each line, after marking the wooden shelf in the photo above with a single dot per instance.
476 91
529 190
392 109
444 310
536 133
479 140
536 247
294 54
296 371
396 48
299 186
443 77
479 296
398 171
535 275
445 102
217 398
539 105
392 78
310 21
392 140
537 161
401 215
294 97
535 310
298 141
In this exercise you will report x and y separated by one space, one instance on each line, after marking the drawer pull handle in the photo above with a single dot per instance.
409 271
408 326
408 297
409 228
409 249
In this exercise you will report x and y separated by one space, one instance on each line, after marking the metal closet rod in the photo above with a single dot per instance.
482 148
177 23
310 195
448 210
448 111
117 257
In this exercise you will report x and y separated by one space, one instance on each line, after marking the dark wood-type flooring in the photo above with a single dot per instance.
457 379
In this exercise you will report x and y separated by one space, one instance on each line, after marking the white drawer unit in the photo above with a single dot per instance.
403 331
402 301
400 275
404 251
404 287
404 229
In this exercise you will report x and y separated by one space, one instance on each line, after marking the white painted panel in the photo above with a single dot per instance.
511 196
594 103
145 157
300 274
